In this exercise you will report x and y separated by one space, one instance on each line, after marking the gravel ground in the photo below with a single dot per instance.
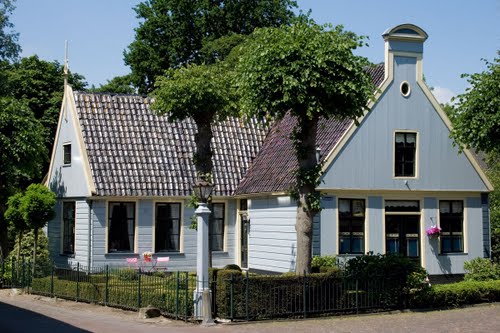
42 314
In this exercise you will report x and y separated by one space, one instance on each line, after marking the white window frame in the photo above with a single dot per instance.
181 225
417 154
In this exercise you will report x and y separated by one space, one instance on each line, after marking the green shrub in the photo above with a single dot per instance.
456 294
126 274
232 267
481 269
324 261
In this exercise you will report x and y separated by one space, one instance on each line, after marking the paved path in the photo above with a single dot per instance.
28 313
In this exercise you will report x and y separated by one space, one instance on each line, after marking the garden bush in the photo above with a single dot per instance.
456 294
481 269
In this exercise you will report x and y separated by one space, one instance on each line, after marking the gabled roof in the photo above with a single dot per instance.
133 152
272 169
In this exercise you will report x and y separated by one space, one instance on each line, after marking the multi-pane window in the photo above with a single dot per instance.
451 217
216 227
121 226
67 153
168 227
68 246
405 148
351 225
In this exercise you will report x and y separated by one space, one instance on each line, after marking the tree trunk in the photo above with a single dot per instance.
305 149
35 243
203 156
20 239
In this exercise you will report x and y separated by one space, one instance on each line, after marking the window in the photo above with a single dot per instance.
451 217
404 154
168 227
121 222
68 246
351 226
67 154
216 227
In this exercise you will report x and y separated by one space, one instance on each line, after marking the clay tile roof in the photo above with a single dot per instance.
133 152
272 169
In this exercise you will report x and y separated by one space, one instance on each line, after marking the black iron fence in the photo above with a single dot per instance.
254 297
171 292
236 295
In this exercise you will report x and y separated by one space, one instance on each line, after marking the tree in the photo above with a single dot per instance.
476 117
41 85
37 207
14 216
118 85
200 92
9 49
172 32
309 71
493 173
22 152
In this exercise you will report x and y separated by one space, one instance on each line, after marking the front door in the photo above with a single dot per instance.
402 235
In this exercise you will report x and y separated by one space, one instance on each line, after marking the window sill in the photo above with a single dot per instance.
168 254
220 253
453 254
67 255
121 254
66 165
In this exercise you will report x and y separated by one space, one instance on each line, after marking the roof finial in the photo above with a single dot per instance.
65 73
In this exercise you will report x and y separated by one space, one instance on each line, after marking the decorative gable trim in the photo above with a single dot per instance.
68 105
447 122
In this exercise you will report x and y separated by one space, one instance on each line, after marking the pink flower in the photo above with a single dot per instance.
433 230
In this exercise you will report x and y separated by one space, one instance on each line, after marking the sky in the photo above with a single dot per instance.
461 33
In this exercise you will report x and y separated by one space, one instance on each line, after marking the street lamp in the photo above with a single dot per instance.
202 295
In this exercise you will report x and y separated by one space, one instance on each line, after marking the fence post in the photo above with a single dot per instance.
305 295
2 277
22 273
247 286
52 281
77 281
13 270
106 291
177 295
186 297
357 289
231 290
139 288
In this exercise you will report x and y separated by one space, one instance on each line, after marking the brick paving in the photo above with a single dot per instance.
81 317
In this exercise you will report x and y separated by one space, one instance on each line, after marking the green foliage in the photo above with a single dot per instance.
22 148
127 274
172 33
9 48
199 91
43 261
40 84
456 294
324 261
305 68
401 269
37 206
233 267
493 173
476 117
14 215
481 269
117 85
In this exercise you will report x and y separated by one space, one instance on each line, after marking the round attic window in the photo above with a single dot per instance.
405 89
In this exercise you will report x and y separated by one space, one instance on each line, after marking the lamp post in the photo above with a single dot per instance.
202 295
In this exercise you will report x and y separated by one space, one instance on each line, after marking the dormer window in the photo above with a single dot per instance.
67 154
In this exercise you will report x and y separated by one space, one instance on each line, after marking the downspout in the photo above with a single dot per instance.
89 246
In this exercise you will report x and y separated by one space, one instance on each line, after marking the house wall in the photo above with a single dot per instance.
366 161
68 180
431 257
54 233
272 237
183 260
